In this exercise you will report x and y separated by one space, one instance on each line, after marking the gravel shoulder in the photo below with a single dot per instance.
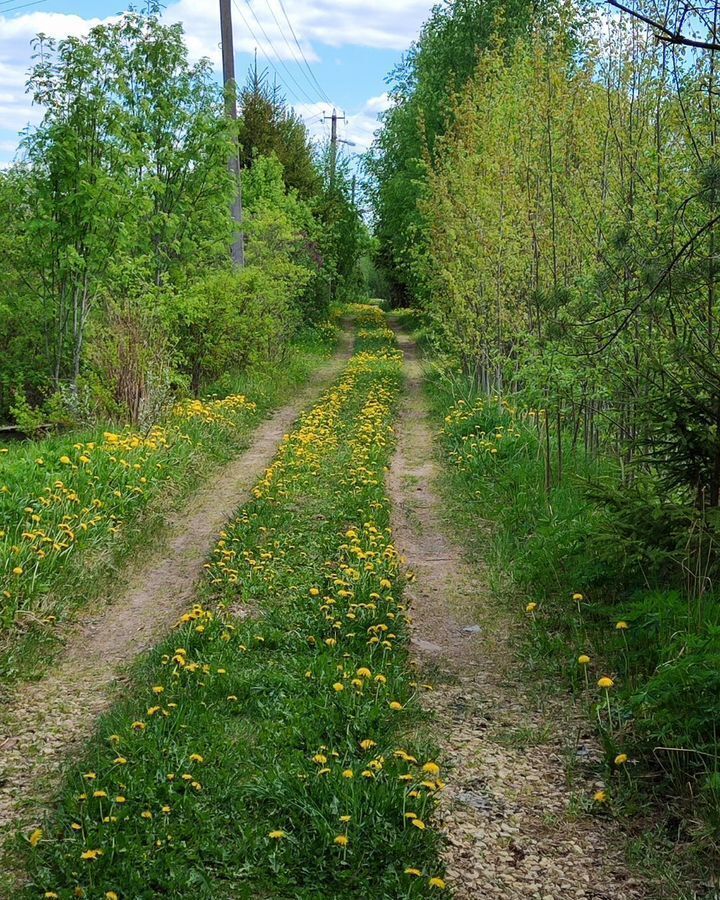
46 722
519 776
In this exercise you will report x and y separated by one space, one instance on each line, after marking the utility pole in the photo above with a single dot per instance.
333 144
228 63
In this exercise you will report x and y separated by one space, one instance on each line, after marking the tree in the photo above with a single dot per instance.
268 127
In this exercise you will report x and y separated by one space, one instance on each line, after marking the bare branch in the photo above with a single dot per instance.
662 32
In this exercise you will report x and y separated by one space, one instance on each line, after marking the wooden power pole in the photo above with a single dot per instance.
333 144
228 62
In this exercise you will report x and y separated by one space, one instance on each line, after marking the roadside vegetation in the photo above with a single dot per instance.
117 292
545 187
270 744
73 506
134 356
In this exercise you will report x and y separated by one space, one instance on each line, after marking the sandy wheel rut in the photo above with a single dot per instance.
48 721
516 773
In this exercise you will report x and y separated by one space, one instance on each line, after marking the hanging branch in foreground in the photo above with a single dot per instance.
662 32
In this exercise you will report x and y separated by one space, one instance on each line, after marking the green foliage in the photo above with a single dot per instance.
436 66
627 551
115 284
98 494
235 741
269 128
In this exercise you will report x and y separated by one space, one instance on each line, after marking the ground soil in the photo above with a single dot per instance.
517 812
46 722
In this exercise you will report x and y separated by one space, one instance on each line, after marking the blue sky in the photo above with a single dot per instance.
351 45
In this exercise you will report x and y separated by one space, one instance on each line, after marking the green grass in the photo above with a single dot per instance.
290 674
614 545
75 507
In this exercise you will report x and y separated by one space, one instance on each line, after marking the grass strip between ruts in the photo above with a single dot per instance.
270 747
74 506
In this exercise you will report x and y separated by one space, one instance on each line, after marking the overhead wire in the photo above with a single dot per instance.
302 91
312 80
302 53
269 61
22 5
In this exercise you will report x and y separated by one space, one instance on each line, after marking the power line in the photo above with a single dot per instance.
284 37
279 59
269 61
307 64
22 5
312 80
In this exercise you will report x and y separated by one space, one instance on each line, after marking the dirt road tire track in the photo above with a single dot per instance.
49 720
508 812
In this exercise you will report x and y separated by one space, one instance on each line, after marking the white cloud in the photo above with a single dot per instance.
379 104
375 24
16 58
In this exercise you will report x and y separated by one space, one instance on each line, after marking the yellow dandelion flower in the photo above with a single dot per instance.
416 873
437 883
431 768
276 835
605 683
342 840
584 659
621 759
35 837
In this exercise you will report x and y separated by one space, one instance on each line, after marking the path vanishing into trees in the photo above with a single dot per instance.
48 721
517 760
